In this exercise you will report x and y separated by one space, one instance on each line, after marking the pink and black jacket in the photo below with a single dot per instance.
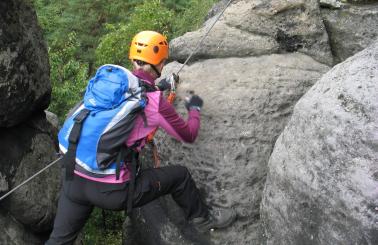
158 113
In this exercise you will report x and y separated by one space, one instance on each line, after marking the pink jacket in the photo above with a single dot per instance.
159 113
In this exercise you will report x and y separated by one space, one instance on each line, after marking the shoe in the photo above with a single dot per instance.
217 219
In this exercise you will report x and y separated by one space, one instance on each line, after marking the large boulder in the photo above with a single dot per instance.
256 63
25 149
14 233
247 104
24 67
322 185
150 225
351 28
253 28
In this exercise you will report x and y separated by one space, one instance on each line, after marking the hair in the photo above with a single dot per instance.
141 65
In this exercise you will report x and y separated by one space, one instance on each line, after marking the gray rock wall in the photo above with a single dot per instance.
24 68
252 28
330 33
322 185
24 150
15 233
351 28
246 108
257 62
27 139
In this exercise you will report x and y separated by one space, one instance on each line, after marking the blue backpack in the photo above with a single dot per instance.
94 135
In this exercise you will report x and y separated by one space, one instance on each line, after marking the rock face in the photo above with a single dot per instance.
329 33
15 233
261 57
27 139
246 108
351 28
322 186
257 62
24 150
24 68
252 28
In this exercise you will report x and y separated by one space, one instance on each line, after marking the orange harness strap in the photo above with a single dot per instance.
150 138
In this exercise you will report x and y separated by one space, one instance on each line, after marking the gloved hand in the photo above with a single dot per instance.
166 83
193 102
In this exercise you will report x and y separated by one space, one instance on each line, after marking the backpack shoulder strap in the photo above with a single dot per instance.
146 86
129 204
73 140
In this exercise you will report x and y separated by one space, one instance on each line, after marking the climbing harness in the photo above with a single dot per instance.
171 98
150 138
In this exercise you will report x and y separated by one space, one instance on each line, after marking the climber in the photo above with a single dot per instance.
148 53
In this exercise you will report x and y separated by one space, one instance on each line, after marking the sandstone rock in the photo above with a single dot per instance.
52 119
14 233
217 8
24 68
330 3
322 181
151 225
351 28
3 183
225 41
247 103
253 28
361 1
25 149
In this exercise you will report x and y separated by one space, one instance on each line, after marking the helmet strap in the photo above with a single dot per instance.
142 63
158 73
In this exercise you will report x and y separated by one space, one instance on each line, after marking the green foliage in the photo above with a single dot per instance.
104 229
151 15
68 77
176 5
192 17
49 16
87 18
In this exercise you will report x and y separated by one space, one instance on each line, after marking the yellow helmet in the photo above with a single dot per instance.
150 47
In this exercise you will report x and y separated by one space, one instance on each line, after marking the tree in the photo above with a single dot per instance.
68 77
87 18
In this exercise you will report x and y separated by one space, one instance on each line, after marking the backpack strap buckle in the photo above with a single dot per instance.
80 117
73 139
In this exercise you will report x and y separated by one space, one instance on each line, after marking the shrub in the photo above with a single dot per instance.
151 15
192 17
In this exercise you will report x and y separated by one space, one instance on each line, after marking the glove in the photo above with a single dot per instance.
166 83
194 102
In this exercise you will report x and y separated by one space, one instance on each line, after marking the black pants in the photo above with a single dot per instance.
79 196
